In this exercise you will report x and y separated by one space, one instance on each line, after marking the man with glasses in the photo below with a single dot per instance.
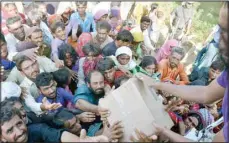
124 38
25 73
181 20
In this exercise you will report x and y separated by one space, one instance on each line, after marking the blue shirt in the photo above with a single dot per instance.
109 49
62 97
83 92
88 25
8 65
43 133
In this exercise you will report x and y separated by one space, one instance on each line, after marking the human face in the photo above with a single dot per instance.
17 30
144 25
174 59
14 130
4 51
223 46
191 122
12 10
104 17
81 9
68 60
91 57
73 125
30 69
60 33
123 59
50 90
97 83
213 73
42 8
151 69
37 38
20 107
101 35
109 75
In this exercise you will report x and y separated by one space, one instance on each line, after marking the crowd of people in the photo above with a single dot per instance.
59 58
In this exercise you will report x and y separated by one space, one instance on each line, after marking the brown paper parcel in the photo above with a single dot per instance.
137 106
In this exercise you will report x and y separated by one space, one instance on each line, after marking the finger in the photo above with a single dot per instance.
83 134
137 133
117 132
90 116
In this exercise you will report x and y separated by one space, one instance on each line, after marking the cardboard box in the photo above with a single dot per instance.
137 106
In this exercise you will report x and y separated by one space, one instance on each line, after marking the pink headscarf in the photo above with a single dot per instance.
83 40
166 49
100 13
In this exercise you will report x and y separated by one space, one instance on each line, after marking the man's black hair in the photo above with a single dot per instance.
43 79
105 64
61 76
125 36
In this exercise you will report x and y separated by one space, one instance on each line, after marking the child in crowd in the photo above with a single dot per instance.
58 30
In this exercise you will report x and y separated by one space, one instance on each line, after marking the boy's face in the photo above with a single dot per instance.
49 91
213 73
37 38
68 59
81 9
4 51
60 33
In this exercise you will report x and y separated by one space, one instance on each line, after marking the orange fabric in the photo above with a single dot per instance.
72 43
171 74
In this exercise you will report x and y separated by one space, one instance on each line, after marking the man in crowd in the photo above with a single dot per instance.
85 19
124 38
10 10
101 37
87 96
16 32
206 75
34 38
14 128
142 28
181 20
171 68
25 73
107 67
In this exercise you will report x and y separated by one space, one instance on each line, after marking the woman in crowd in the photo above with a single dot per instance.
84 38
166 49
88 63
123 59
148 66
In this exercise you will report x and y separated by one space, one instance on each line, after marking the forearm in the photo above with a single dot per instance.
174 137
189 93
86 106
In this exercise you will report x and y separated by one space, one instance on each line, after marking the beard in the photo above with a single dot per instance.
20 36
98 93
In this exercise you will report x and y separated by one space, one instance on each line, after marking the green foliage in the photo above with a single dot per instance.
205 18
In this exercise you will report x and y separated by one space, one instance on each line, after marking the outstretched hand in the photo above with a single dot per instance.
85 138
48 106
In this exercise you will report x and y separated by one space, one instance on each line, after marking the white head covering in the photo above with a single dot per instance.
127 51
123 50
9 89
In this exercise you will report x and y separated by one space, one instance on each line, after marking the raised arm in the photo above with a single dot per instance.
200 94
